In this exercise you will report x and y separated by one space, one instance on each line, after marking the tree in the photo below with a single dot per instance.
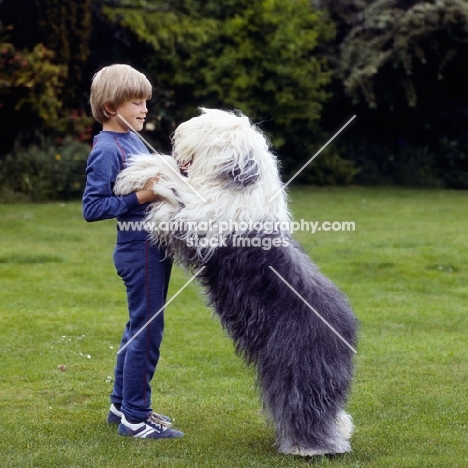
403 52
257 56
64 27
29 79
399 65
39 98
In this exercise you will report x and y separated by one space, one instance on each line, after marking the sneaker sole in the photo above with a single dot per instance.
149 433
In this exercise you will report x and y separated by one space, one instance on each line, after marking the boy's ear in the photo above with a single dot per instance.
108 108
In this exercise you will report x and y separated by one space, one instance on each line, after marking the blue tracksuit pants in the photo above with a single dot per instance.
146 278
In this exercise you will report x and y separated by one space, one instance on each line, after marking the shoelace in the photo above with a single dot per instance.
156 418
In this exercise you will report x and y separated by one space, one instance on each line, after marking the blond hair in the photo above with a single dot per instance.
115 85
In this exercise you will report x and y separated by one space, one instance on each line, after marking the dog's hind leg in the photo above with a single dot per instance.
336 443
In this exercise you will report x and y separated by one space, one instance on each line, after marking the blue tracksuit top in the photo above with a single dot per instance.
107 158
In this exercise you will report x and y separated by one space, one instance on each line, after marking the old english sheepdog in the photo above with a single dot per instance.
227 218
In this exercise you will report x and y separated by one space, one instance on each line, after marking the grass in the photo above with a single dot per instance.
61 304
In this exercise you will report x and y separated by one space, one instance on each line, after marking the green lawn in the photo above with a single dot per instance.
405 269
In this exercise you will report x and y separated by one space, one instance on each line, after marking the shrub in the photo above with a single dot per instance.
452 161
331 169
327 168
45 172
441 163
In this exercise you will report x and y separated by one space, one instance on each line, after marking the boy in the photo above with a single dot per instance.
120 89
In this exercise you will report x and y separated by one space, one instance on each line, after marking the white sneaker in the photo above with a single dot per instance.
152 428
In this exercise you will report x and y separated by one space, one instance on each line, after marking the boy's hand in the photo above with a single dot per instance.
146 195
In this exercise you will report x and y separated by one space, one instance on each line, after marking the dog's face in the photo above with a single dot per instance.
223 146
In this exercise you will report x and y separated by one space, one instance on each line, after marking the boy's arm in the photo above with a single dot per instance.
99 201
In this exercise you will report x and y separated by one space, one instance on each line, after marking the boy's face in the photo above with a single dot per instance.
134 112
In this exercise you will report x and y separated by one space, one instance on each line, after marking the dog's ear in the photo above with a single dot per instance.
241 173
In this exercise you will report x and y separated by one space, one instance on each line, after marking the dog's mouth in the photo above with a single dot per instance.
185 165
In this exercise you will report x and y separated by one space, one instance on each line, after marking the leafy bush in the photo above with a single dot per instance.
442 163
46 172
328 167
452 162
416 166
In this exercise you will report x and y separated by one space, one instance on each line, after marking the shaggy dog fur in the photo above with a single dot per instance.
224 216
